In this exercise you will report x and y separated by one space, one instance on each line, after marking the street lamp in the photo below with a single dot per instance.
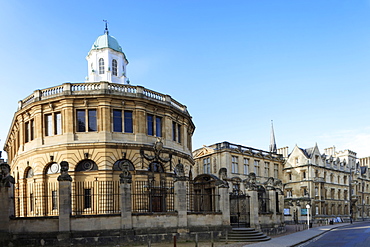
308 216
363 200
350 195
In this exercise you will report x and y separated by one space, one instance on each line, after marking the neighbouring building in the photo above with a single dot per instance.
254 179
329 182
362 189
104 160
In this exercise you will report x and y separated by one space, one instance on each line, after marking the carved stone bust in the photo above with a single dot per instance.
6 178
179 170
64 176
222 173
125 176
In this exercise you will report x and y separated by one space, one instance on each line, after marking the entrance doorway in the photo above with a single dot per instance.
239 209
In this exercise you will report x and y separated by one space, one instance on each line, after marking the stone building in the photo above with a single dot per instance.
327 181
106 157
254 179
362 189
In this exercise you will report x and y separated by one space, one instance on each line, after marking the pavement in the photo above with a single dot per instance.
297 238
294 236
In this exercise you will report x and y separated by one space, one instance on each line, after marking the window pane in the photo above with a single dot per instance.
31 202
32 127
179 133
128 122
234 164
92 120
27 130
87 198
158 126
114 67
150 125
173 131
117 120
81 121
54 200
101 66
58 123
48 125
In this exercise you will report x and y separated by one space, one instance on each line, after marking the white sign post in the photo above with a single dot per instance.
308 216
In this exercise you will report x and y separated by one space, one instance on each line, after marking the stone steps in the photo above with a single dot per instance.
246 235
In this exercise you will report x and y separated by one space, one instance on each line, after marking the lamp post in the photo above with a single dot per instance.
308 216
363 199
350 199
350 195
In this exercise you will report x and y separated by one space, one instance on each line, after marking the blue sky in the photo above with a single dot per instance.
237 65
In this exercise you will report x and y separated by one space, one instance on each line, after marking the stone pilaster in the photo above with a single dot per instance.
281 207
180 196
4 208
180 203
65 208
272 204
6 196
254 218
224 203
125 202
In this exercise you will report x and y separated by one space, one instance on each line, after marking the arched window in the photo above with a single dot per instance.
29 173
114 67
29 200
53 168
86 165
204 194
263 200
118 165
101 66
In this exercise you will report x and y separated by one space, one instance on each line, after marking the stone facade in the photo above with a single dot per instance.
104 156
362 189
253 176
327 181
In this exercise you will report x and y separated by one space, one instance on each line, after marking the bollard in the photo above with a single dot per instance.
174 241
212 239
227 237
196 239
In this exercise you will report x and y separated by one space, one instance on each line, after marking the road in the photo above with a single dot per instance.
357 235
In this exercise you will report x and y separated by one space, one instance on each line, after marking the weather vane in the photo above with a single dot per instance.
106 27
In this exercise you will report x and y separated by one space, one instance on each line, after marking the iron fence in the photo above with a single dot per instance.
200 199
95 197
33 199
152 196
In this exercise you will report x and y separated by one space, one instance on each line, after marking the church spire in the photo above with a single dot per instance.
272 140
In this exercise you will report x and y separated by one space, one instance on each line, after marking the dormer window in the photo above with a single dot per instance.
101 66
114 67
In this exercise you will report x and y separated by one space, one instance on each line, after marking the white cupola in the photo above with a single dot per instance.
106 60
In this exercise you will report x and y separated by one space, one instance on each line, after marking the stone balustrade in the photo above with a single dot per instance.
99 88
252 151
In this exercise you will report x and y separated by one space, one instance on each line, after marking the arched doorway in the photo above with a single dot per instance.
205 197
239 206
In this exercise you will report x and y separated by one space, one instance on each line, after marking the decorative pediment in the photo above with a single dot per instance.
236 150
248 152
203 151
